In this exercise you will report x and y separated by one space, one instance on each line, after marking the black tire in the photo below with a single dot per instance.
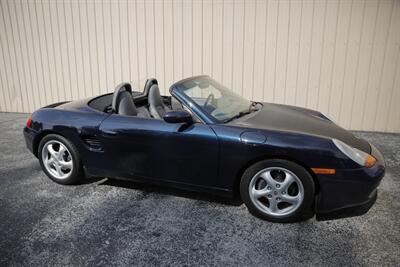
77 172
304 210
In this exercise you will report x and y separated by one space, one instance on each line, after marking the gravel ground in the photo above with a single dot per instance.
105 222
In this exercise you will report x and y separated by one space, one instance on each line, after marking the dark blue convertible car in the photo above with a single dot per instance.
286 163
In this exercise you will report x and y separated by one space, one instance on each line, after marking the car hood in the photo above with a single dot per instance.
299 120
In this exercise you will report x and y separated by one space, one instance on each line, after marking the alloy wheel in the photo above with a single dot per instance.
57 159
276 191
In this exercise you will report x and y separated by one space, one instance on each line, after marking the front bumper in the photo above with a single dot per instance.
350 211
349 192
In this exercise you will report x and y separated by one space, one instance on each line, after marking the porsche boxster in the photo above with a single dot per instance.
286 163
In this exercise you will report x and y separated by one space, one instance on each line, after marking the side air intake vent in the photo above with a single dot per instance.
93 143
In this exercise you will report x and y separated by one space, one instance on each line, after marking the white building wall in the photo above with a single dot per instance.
339 57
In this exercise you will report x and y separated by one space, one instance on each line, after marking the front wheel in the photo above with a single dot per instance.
60 159
278 191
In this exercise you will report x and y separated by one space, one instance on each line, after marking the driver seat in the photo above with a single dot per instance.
122 102
156 105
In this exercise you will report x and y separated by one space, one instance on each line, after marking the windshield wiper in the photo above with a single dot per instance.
253 106
242 113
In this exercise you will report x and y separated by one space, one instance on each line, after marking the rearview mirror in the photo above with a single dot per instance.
178 116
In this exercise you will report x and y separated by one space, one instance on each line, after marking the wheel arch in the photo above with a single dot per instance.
39 137
236 186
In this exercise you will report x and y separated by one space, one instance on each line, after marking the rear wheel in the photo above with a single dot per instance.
278 191
60 160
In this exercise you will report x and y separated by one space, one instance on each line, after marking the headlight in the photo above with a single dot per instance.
355 154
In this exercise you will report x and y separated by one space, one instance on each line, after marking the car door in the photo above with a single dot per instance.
154 149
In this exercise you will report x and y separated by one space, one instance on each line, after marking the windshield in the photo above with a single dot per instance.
215 99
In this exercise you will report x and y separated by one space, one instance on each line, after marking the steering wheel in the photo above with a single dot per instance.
210 99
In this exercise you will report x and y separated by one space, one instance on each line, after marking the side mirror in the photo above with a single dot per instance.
176 116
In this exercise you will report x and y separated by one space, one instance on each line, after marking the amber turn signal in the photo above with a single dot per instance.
370 161
323 171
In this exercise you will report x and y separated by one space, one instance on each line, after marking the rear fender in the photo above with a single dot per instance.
75 126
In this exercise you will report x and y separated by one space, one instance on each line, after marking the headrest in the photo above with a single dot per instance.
122 87
150 82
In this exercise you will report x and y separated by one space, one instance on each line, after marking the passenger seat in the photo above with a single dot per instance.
157 107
